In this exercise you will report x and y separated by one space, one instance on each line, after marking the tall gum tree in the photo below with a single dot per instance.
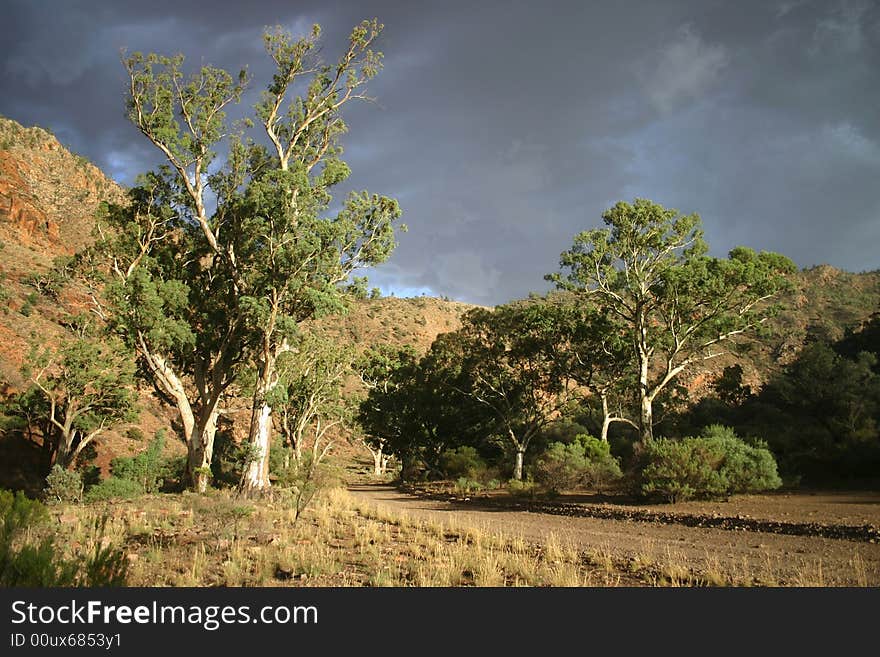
282 260
297 257
674 305
157 284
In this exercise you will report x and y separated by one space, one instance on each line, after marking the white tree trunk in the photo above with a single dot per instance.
201 452
646 416
255 478
518 467
646 419
606 418
379 461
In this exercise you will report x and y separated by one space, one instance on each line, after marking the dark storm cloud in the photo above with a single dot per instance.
506 127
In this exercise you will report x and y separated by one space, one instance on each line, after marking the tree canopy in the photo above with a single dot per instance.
674 305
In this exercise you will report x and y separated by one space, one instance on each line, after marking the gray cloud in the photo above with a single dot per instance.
506 127
683 69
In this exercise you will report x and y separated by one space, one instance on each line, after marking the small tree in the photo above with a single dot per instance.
670 302
380 370
410 411
87 387
309 397
506 362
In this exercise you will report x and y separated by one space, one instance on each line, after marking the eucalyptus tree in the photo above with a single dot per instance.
392 411
259 222
86 387
676 306
159 286
508 361
382 369
309 398
596 357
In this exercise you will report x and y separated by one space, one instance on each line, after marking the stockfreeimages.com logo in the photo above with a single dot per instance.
210 617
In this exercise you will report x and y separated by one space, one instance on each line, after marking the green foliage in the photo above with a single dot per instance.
5 295
357 289
820 413
133 476
462 462
679 470
406 411
63 485
652 282
502 369
716 464
77 392
207 293
27 561
748 467
586 462
113 488
147 469
522 488
467 485
303 481
53 282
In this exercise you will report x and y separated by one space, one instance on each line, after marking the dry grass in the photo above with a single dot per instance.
216 540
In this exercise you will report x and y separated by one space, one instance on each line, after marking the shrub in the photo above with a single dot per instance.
678 470
26 561
522 488
560 467
585 462
602 468
462 462
63 485
465 485
173 473
304 480
146 468
715 464
748 467
114 488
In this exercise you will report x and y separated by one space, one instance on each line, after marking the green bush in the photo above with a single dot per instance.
63 485
133 476
31 562
304 480
715 464
462 462
114 488
465 485
585 462
519 488
147 469
678 470
748 467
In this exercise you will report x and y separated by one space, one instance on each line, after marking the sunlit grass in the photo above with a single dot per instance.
216 540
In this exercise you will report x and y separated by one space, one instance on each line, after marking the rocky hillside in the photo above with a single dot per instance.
48 199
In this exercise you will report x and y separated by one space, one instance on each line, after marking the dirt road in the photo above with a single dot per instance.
748 556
